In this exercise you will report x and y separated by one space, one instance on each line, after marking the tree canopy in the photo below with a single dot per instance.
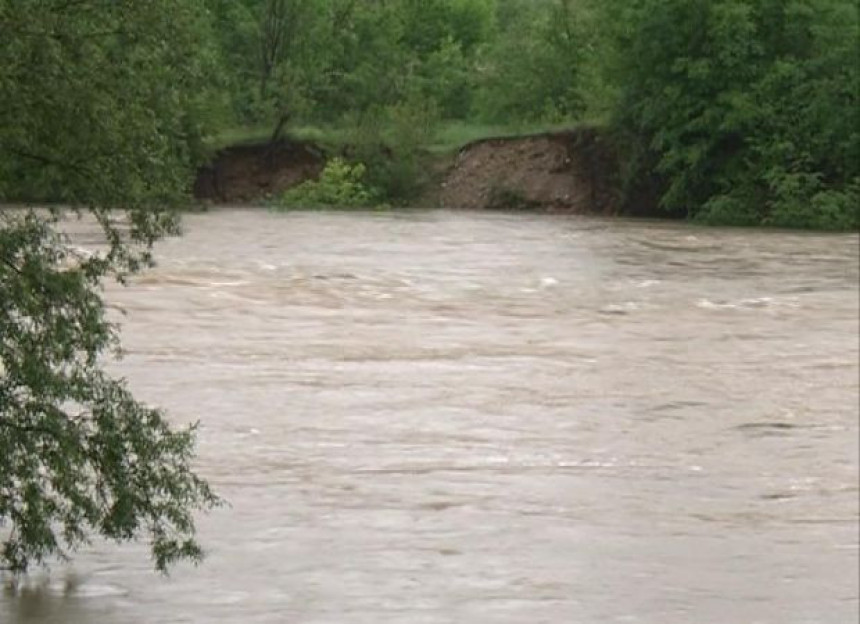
748 110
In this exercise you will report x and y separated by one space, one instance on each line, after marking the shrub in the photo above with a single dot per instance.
802 201
340 185
390 143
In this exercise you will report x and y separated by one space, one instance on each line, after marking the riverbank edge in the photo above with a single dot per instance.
576 171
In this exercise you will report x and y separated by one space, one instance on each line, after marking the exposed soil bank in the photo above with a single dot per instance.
573 171
244 173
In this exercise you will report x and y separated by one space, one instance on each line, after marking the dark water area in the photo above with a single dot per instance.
443 417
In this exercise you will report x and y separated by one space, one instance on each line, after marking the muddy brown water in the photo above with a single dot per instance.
445 417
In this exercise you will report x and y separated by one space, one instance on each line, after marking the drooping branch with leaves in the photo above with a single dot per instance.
102 111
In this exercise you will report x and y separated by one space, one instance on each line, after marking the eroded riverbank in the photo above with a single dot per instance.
574 171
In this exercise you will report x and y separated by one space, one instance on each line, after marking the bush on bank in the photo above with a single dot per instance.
340 185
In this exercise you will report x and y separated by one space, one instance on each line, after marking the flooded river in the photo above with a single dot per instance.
438 418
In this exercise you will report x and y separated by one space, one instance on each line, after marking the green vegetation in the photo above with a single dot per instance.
727 111
340 185
746 111
98 113
730 112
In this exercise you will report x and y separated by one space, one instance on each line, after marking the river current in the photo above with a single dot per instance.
442 417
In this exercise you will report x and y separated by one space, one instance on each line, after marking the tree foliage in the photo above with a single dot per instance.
532 69
747 110
103 109
321 60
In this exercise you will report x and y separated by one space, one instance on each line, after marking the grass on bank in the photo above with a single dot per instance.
448 137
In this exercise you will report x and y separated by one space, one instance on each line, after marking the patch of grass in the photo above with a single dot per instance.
448 137
244 135
240 135
332 137
452 135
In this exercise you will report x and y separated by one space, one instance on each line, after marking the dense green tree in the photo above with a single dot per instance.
532 69
366 65
238 56
747 111
442 40
103 108
317 61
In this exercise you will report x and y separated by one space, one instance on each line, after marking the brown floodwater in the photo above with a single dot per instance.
442 417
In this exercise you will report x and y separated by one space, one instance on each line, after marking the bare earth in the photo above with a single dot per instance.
573 171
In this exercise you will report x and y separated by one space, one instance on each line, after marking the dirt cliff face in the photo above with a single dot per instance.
573 171
245 173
